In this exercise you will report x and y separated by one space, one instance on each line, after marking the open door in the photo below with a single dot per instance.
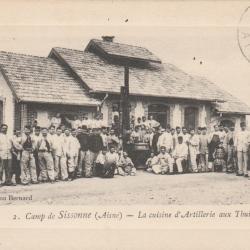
160 113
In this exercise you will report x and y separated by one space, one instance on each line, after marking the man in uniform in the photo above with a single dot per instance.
193 145
95 146
180 154
241 143
5 156
60 167
166 140
83 140
164 162
45 159
16 156
28 164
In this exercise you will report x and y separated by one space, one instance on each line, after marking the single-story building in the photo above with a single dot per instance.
74 82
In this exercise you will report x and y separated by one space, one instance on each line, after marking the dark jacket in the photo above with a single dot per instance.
84 141
95 143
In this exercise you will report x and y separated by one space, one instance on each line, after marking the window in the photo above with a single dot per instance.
191 117
160 113
227 123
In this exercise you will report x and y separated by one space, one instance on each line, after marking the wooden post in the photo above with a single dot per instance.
125 106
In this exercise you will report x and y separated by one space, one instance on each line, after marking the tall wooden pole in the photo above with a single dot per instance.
125 106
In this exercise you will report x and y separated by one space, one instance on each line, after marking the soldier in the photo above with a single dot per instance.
83 140
126 166
193 146
204 150
107 162
166 140
180 154
241 143
95 146
36 138
164 162
229 141
5 156
72 152
56 120
28 164
45 159
60 167
16 156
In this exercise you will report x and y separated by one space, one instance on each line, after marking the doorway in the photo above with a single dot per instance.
160 113
191 118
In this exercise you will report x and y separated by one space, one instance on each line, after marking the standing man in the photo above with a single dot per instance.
221 133
155 139
166 140
60 167
16 156
95 146
36 138
185 135
73 147
204 150
75 124
193 145
231 161
241 143
83 140
176 135
104 137
56 120
28 164
45 159
152 123
5 156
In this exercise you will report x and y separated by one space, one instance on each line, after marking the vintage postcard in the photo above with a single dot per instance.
124 125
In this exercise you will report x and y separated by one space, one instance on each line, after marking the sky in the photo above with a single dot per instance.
177 32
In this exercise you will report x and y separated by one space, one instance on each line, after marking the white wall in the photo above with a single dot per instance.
8 100
248 121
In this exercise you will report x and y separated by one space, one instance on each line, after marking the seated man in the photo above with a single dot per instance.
180 154
150 162
164 162
109 162
100 160
126 166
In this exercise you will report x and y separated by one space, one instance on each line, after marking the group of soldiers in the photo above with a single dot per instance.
178 150
38 155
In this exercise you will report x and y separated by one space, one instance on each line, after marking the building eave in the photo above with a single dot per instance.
157 96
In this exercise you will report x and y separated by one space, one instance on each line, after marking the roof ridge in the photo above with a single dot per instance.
23 54
69 49
96 39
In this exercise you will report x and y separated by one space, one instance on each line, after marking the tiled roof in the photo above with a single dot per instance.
159 80
124 50
162 80
39 79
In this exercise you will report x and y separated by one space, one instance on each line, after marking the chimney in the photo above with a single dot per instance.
108 38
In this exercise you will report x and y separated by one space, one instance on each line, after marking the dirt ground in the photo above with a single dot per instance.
145 189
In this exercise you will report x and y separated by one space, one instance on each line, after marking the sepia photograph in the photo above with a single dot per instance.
117 107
